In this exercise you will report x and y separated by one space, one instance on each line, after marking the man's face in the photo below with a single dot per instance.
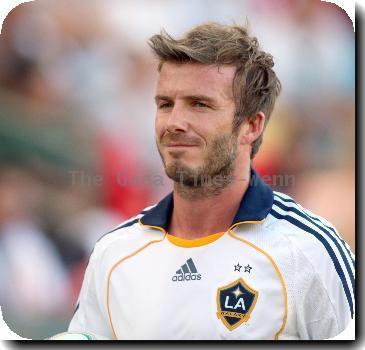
195 110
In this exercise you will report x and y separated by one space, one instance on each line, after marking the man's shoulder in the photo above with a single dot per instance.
287 212
312 234
126 236
317 246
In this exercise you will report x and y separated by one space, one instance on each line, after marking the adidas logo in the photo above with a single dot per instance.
187 272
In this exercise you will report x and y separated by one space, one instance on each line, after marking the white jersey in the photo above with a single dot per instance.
279 272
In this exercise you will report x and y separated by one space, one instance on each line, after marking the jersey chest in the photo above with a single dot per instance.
228 289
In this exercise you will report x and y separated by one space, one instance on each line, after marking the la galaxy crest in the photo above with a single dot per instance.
235 303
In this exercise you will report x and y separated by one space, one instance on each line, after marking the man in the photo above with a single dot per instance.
223 256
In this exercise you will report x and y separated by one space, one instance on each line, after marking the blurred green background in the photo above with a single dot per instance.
77 149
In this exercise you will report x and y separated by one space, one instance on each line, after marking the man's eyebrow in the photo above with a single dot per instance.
200 98
187 97
162 97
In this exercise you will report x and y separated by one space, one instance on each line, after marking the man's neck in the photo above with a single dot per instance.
199 212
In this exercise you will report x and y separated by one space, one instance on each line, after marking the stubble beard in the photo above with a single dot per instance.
209 179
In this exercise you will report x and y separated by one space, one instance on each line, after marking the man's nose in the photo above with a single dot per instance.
177 121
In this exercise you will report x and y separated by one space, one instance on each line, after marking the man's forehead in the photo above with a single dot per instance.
196 78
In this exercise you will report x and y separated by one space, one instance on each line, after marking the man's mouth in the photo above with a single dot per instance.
179 145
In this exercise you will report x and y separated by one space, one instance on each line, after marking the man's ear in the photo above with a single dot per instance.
252 128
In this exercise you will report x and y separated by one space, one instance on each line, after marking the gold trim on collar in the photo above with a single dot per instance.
197 242
246 222
150 226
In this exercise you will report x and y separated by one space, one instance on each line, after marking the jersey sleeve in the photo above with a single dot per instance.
324 290
90 313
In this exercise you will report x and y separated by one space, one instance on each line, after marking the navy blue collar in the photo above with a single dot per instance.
255 205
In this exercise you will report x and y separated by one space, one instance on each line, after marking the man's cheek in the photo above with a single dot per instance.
159 129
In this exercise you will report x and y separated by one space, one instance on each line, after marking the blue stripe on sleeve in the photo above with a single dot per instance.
301 214
329 250
289 200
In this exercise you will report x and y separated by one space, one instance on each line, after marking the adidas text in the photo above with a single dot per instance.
187 277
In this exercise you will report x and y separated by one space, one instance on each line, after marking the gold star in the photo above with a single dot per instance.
237 292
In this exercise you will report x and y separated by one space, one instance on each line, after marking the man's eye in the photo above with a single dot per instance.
200 104
164 105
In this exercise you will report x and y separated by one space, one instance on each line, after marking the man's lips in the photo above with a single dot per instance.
179 145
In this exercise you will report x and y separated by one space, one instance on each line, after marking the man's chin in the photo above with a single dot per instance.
182 175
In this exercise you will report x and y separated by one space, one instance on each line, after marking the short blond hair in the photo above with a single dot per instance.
255 84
